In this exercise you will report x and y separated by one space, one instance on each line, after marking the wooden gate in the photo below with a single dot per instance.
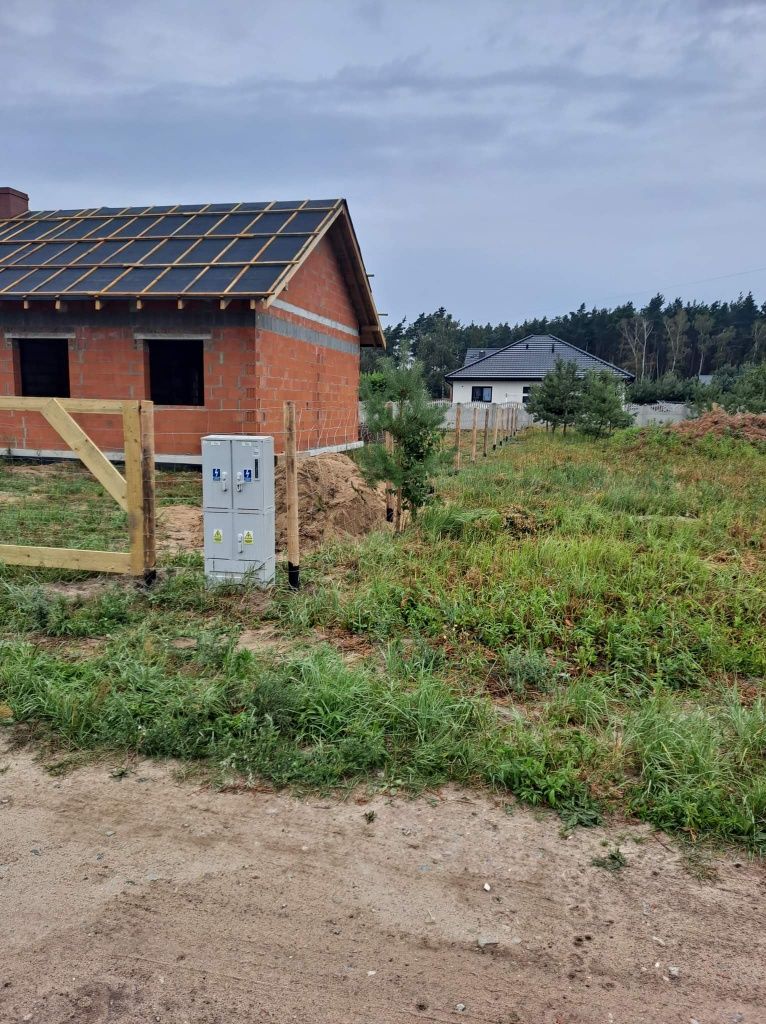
134 492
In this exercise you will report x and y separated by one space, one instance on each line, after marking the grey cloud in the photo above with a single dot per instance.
524 165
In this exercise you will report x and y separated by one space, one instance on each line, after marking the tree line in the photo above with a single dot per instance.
660 342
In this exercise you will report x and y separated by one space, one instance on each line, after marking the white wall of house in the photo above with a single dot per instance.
502 390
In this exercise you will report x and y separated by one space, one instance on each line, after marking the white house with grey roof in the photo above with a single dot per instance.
507 374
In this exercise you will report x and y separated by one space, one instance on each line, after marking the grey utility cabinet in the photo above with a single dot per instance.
238 508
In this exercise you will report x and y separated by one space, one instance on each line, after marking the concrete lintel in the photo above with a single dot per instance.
160 458
172 336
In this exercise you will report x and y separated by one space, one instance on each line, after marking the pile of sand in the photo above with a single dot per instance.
745 425
333 499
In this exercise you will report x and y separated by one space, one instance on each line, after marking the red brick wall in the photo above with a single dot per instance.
249 372
112 364
319 286
321 380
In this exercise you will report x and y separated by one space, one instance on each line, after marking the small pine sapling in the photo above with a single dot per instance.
556 398
397 403
601 410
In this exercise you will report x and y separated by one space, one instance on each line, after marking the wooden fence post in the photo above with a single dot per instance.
291 489
474 432
486 432
138 430
495 425
514 420
458 411
389 443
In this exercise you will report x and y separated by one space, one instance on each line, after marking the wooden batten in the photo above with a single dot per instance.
66 558
90 454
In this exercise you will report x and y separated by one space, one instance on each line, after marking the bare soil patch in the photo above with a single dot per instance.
335 503
133 897
179 528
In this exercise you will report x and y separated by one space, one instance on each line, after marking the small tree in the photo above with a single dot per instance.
554 400
600 409
748 391
397 403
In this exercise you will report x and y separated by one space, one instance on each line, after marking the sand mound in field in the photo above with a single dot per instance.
333 498
334 501
745 425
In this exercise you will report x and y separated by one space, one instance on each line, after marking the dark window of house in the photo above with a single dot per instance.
525 392
44 367
175 372
480 394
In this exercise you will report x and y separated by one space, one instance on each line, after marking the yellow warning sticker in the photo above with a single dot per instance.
218 536
248 538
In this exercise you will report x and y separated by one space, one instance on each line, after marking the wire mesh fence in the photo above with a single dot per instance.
60 504
320 425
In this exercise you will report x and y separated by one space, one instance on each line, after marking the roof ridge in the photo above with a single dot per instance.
462 372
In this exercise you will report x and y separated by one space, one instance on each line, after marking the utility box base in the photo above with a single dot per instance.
238 508
261 575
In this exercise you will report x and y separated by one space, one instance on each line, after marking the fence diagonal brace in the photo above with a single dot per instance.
92 456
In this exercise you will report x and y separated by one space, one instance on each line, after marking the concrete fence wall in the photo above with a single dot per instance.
523 419
643 415
660 412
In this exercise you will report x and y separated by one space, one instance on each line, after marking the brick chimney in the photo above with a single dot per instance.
12 202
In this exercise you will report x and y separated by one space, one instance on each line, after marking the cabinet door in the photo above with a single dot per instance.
219 535
253 472
253 536
216 473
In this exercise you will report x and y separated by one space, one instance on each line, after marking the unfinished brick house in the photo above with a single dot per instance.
217 312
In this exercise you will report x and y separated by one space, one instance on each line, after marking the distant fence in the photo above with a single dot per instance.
523 419
643 415
659 412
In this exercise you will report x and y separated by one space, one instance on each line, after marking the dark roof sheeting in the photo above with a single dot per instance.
197 250
530 359
478 353
183 251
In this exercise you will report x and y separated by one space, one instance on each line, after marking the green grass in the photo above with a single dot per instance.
61 505
579 623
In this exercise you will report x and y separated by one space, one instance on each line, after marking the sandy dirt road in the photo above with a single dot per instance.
142 898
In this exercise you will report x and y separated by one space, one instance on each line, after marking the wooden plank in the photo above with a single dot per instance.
389 443
474 431
486 432
15 403
147 472
90 453
131 427
65 558
291 487
458 411
495 425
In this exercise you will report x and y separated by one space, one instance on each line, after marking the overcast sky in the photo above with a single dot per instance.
503 159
